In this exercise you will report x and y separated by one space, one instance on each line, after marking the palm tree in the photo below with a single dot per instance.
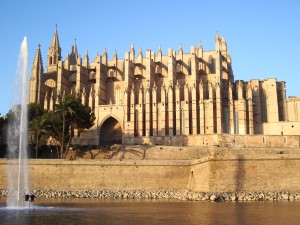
64 108
39 126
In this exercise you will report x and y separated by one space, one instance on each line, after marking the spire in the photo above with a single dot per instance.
104 52
86 59
200 50
159 52
140 53
74 54
180 51
54 51
223 39
200 45
224 45
217 38
217 42
36 77
74 48
38 58
104 57
132 50
115 55
55 41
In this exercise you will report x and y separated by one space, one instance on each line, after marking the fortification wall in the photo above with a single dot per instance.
105 174
246 173
213 173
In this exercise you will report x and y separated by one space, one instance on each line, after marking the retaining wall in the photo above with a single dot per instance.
214 173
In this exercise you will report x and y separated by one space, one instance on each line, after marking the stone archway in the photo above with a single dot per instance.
110 132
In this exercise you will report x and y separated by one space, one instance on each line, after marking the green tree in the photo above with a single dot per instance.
55 132
82 118
39 126
35 110
64 107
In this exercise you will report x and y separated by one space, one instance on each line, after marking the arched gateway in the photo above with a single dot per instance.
110 132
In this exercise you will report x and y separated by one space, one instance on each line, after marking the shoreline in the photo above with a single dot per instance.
238 196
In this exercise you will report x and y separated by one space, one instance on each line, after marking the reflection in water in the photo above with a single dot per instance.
113 212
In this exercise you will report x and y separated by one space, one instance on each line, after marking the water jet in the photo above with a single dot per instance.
17 166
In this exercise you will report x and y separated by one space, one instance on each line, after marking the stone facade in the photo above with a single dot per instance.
157 95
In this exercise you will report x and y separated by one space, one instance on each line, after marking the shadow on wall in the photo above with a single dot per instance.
240 179
240 173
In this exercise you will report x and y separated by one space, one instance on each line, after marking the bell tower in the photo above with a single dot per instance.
54 52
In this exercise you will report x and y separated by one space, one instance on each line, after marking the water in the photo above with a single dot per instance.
17 172
137 212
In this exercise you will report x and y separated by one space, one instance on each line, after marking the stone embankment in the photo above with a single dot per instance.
179 195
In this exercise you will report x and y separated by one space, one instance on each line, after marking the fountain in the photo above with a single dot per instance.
17 167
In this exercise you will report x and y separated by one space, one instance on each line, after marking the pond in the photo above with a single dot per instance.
133 212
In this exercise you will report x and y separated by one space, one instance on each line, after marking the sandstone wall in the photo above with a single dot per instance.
213 173
105 174
247 173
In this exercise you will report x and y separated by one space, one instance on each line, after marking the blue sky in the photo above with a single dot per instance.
263 37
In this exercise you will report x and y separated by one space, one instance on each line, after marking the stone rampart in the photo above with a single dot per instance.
105 174
277 172
213 173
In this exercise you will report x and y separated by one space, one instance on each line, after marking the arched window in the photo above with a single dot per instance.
50 60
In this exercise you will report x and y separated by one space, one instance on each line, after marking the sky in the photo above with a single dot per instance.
263 37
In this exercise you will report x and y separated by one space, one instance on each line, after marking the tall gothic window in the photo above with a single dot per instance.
182 127
226 120
264 107
236 121
211 62
118 96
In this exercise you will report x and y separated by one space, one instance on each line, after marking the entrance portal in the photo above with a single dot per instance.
110 132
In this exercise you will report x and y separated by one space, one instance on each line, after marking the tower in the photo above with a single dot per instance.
36 76
54 52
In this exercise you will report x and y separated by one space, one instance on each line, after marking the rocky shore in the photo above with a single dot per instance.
179 195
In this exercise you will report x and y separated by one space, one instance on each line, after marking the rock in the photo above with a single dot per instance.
285 196
212 197
297 197
261 197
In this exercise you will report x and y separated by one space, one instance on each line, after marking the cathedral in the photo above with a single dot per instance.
174 98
